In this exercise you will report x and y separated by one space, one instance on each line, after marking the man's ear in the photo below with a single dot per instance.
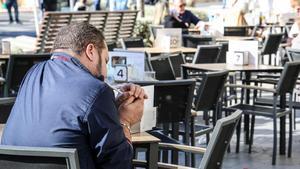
89 51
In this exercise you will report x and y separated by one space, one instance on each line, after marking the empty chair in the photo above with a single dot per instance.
270 47
212 85
224 50
162 67
207 54
132 42
213 155
18 65
284 86
6 104
176 60
111 46
17 157
193 41
173 99
235 31
293 54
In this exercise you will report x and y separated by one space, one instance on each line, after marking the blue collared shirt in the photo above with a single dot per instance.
61 104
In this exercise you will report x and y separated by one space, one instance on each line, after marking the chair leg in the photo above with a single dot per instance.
251 133
192 135
207 123
290 136
274 141
238 134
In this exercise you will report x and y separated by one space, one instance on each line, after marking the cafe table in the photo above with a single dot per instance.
229 38
156 50
146 140
247 70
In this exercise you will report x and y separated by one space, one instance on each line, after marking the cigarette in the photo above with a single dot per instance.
115 89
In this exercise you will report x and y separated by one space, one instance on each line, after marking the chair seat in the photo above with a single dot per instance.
267 101
163 138
259 110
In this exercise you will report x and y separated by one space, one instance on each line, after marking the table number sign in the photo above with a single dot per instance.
241 57
120 73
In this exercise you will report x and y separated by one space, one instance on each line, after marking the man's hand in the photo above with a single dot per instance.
130 90
131 103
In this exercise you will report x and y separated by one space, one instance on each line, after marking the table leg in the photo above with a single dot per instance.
152 155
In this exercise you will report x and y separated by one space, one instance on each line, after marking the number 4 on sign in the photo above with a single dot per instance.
120 73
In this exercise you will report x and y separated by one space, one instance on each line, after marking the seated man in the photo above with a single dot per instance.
183 17
64 102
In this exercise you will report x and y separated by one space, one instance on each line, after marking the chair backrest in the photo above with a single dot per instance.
176 60
17 157
173 99
111 46
132 42
193 41
293 54
210 90
18 65
271 44
6 104
207 54
224 50
235 31
162 67
288 78
220 139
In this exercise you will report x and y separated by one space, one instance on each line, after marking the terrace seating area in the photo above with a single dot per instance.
215 101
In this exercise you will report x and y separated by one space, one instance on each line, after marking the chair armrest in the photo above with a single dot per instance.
179 147
171 166
7 100
251 87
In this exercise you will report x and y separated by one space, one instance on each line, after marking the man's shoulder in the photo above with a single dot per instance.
188 12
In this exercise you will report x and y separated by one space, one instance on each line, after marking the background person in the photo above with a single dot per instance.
63 102
12 4
183 16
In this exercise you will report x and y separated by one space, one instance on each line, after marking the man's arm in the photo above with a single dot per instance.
109 145
194 19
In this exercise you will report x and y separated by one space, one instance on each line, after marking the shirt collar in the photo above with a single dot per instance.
69 58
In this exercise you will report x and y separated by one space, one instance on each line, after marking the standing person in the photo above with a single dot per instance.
9 5
117 5
97 5
64 102
49 5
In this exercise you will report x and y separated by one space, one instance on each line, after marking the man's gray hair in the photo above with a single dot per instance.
77 36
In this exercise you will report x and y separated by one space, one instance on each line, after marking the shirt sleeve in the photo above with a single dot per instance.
108 143
194 18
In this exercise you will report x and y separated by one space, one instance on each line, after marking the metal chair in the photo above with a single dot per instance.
270 47
18 65
212 85
235 31
285 85
213 155
193 41
17 157
132 42
176 60
207 54
173 99
162 67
